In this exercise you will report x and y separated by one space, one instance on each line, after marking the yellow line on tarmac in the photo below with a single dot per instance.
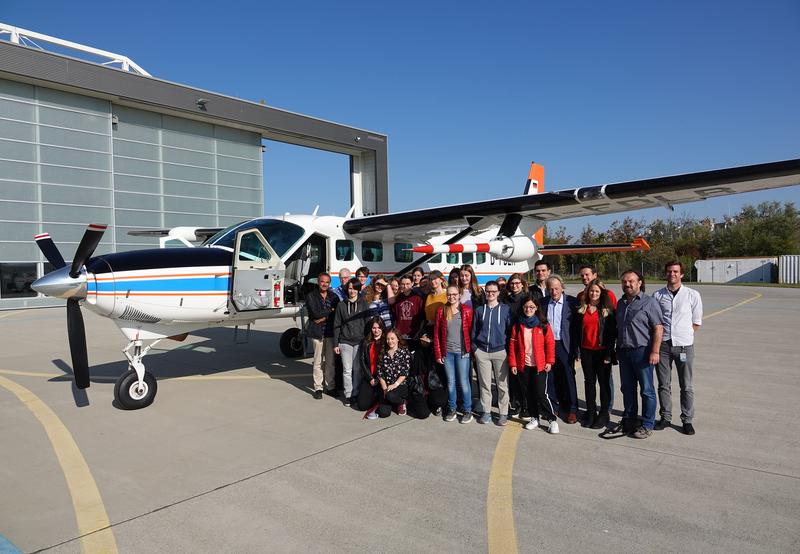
94 526
756 296
33 373
500 498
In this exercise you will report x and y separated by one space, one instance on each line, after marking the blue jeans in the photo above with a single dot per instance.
635 368
456 367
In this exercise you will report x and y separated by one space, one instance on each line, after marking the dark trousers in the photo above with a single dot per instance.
539 391
516 396
566 389
596 370
391 399
367 395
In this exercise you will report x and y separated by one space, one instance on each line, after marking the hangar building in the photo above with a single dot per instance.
82 142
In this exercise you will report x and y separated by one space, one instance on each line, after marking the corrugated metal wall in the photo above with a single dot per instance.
789 270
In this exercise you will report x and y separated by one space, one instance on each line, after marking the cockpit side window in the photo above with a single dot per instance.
281 235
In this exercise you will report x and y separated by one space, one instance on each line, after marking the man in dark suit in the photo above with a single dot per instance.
561 310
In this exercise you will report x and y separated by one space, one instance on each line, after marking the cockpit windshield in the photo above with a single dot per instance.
281 235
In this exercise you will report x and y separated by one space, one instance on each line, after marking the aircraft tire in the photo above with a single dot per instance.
292 343
126 393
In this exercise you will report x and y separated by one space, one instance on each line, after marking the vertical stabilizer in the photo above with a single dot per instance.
535 185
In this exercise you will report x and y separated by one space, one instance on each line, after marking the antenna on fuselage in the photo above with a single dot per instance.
350 212
314 213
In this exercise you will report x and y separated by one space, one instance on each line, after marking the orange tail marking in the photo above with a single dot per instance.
536 180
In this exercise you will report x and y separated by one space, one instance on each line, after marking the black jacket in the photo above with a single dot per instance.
315 310
349 322
363 361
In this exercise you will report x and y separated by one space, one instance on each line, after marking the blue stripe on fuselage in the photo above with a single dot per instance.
165 285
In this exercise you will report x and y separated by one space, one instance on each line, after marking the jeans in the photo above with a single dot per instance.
635 369
351 376
457 369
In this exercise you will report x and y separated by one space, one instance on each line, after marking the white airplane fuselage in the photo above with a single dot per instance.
164 292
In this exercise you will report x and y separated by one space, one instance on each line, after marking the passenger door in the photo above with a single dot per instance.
258 274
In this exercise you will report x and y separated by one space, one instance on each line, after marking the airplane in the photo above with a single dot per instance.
261 268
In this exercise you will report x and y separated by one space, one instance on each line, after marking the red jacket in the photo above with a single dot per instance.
440 330
544 348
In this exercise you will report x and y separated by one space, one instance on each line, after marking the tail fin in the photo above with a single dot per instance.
535 185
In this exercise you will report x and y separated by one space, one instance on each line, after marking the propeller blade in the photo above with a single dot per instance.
50 250
77 343
91 238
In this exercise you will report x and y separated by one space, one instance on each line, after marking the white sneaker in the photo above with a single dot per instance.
532 424
372 415
553 430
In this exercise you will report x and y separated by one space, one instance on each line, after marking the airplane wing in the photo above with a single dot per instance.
596 199
194 233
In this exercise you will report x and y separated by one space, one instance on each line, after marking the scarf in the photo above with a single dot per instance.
530 322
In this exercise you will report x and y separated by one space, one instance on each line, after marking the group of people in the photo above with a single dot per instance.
410 345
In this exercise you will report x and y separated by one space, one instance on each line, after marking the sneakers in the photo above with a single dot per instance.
572 417
502 421
513 410
466 418
642 433
662 424
437 412
318 394
346 402
553 429
401 409
485 418
372 415
450 415
532 424
688 429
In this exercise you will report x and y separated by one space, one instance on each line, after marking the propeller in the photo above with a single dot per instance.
64 286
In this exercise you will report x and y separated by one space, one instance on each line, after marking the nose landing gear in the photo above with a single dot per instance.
136 388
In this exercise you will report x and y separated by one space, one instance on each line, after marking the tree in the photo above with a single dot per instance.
768 229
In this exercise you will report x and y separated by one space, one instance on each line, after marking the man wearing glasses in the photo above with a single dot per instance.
490 325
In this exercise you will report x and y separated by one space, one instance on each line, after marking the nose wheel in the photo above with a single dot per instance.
136 388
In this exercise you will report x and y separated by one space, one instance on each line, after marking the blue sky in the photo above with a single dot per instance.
471 92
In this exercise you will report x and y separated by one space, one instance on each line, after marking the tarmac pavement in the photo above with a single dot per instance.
235 454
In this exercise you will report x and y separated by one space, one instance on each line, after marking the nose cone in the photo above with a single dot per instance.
58 284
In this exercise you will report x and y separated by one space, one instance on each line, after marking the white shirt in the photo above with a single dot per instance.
681 311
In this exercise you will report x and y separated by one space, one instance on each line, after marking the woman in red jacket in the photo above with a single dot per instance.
597 327
452 347
531 355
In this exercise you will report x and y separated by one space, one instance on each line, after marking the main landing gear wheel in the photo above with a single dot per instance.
292 343
130 395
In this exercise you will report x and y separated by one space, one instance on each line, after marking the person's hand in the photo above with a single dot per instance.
319 320
654 356
372 382
440 361
514 370
548 367
337 350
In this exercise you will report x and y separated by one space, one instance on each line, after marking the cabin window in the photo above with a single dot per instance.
437 259
345 250
451 258
403 253
371 251
480 258
466 258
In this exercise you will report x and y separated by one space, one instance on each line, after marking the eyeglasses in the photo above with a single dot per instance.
512 283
